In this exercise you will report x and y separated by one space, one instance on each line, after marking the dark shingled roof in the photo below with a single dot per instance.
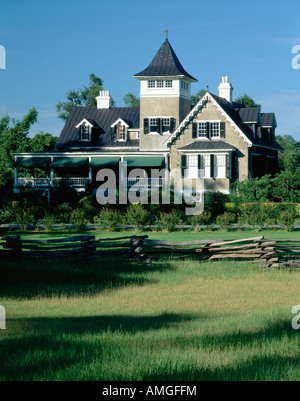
234 114
208 145
268 119
165 64
249 114
103 119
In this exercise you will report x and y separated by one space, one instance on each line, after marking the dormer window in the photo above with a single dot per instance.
85 133
86 128
119 130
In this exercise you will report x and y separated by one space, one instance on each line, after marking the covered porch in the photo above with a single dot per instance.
80 171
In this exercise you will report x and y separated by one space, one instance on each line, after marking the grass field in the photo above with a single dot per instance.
79 320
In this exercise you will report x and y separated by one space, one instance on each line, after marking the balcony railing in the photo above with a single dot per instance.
47 182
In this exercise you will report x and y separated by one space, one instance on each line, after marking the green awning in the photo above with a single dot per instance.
11 164
32 162
104 161
69 162
145 161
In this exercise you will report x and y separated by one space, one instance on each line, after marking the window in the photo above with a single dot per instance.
84 133
159 125
205 166
192 165
184 85
220 160
151 84
160 83
214 129
165 124
220 166
206 129
202 130
153 125
121 132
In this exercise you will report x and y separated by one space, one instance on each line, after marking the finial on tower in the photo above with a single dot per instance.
166 33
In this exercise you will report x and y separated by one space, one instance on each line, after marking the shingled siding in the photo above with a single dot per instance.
157 107
232 137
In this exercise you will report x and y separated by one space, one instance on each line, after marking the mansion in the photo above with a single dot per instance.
217 140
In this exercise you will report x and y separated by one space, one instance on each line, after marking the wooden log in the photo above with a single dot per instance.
268 255
271 260
233 248
282 240
185 243
233 256
267 243
237 241
56 241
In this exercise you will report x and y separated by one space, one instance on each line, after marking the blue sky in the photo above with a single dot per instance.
53 46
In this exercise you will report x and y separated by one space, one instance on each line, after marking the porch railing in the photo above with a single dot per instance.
47 182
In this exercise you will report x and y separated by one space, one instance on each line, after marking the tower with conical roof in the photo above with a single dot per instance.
165 97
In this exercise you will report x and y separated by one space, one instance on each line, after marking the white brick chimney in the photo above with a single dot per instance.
103 100
226 89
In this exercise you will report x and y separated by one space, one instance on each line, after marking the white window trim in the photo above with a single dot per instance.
208 154
158 133
209 137
89 133
164 85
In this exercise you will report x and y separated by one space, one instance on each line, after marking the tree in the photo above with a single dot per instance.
289 159
42 141
85 96
131 100
14 135
247 101
14 138
195 98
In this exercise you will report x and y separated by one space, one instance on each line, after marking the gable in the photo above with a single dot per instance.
192 116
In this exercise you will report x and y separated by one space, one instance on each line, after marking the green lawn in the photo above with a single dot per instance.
79 320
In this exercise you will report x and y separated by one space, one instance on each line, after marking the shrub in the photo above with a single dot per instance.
226 219
250 214
63 213
201 219
28 219
168 221
89 205
137 215
5 217
48 221
287 218
108 219
78 219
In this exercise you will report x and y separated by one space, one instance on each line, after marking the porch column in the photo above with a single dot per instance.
90 171
16 186
167 171
51 176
